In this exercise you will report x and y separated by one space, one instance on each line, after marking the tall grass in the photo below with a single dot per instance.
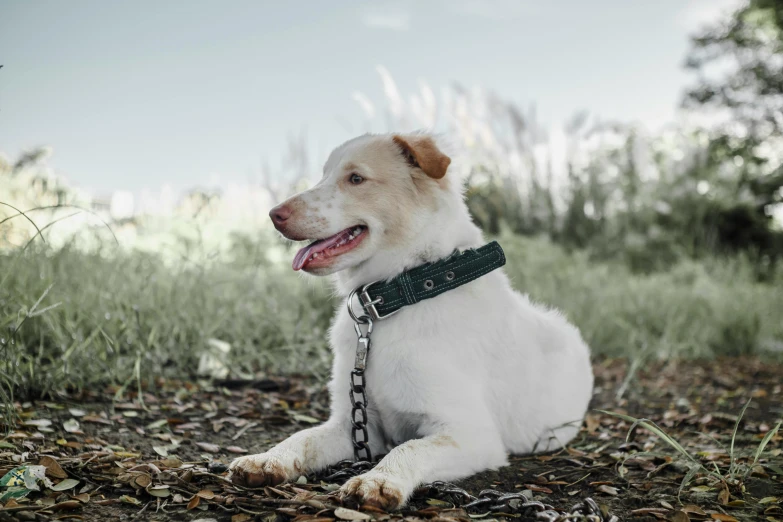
117 310
696 309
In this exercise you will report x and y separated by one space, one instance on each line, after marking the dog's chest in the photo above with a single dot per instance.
393 397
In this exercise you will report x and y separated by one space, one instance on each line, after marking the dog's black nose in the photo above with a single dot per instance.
280 214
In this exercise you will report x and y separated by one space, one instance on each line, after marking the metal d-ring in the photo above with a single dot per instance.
358 319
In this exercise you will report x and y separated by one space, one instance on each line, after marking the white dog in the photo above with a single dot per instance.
456 382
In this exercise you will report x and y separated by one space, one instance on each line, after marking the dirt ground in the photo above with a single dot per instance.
164 458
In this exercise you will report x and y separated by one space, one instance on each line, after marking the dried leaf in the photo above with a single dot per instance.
158 491
163 451
609 490
127 454
692 509
171 462
649 511
194 502
53 468
538 489
350 514
72 426
157 424
141 481
206 446
304 418
68 504
439 503
678 516
65 484
97 419
723 496
723 518
82 497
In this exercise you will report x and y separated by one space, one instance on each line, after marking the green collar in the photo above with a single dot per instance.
382 299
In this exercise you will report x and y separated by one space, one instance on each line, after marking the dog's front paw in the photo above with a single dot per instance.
375 488
263 469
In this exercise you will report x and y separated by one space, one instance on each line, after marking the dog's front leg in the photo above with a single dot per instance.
308 450
447 455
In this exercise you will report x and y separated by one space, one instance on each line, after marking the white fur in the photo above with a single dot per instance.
456 382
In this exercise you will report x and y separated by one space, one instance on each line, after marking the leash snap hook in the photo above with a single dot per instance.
362 345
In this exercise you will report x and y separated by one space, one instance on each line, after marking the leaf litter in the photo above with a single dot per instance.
689 455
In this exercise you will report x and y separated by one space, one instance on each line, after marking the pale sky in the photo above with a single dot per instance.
132 95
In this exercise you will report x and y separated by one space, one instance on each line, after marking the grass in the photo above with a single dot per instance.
119 310
71 319
740 466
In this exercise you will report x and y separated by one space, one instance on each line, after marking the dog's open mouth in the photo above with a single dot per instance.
320 253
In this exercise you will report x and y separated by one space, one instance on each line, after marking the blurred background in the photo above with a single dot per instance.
628 156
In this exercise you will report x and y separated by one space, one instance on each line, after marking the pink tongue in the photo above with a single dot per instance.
301 257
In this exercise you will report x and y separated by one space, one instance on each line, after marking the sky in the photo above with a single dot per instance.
132 95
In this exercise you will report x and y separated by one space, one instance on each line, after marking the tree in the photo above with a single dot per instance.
740 66
744 55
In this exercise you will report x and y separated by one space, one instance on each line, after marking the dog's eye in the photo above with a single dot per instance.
355 179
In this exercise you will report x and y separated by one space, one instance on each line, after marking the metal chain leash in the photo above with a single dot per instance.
496 502
358 392
487 501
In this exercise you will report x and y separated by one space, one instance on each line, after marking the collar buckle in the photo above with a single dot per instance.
368 303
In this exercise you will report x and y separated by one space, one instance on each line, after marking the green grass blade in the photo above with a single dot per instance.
26 217
732 460
768 437
651 426
692 471
40 232
45 309
52 207
43 295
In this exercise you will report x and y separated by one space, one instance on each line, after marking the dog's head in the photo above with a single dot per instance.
382 197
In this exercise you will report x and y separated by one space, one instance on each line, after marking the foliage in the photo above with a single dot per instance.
740 66
71 319
747 49
687 192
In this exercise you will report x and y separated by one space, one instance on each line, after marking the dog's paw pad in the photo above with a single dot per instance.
259 470
375 489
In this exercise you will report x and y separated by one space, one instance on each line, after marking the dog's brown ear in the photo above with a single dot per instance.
421 152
